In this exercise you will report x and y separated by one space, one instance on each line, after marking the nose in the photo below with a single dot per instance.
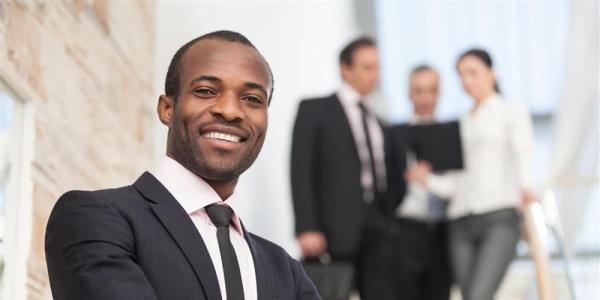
228 107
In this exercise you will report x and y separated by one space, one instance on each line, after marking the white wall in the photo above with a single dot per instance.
521 36
301 41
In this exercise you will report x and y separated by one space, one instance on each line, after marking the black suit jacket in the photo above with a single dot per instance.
325 177
137 242
396 149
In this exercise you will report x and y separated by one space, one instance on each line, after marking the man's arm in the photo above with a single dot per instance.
90 251
303 162
395 154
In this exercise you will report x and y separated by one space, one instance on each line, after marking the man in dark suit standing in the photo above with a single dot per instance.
175 233
421 260
338 173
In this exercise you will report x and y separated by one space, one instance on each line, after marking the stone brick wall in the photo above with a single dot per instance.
89 66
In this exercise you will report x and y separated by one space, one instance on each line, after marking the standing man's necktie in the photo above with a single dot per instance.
220 215
436 206
368 140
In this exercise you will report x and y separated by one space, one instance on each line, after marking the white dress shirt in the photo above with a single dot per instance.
350 99
415 202
497 140
193 194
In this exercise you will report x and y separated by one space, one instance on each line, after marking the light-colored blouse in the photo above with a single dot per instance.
497 141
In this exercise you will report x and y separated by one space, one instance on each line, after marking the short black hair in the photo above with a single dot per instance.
347 54
173 78
421 68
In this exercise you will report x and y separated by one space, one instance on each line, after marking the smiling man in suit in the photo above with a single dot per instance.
175 233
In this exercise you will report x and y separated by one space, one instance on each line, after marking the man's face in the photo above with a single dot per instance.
363 74
424 92
218 122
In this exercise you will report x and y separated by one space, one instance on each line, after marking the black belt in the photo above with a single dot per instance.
429 225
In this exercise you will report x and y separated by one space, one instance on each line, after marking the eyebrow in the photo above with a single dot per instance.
257 86
214 79
206 78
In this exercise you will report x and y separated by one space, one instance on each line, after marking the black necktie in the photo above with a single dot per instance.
364 112
220 215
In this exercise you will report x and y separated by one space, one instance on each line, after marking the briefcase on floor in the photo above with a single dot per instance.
334 280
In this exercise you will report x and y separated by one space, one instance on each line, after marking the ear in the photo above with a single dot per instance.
165 109
344 69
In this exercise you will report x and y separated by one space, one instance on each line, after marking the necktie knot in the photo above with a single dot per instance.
363 107
220 215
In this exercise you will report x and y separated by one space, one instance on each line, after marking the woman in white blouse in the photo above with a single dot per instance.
497 176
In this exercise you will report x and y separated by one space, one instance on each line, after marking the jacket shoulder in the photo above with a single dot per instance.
318 101
115 198
397 129
99 195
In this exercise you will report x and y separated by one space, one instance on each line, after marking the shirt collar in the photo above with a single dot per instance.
190 190
418 119
348 95
493 98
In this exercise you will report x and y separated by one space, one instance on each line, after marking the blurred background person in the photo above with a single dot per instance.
421 251
338 173
485 196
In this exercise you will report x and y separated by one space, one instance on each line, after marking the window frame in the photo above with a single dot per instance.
19 188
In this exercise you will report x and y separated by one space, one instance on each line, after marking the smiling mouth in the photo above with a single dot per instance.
222 136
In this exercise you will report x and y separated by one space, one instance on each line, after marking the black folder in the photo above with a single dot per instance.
437 143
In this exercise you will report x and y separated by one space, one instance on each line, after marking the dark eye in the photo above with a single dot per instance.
253 99
204 92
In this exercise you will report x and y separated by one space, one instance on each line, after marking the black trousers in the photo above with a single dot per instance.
403 259
375 276
421 261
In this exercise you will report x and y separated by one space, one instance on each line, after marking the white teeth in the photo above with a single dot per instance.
222 136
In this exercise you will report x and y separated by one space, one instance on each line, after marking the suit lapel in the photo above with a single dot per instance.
265 279
338 114
182 229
